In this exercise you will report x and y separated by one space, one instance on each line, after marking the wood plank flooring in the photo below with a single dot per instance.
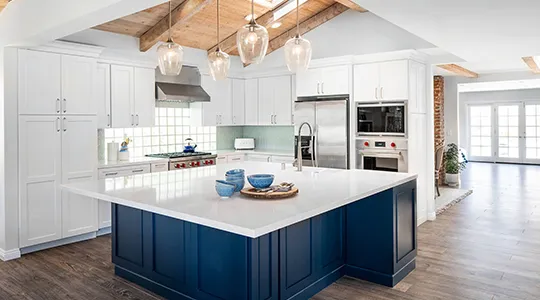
485 247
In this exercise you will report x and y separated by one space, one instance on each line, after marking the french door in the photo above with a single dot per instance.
505 132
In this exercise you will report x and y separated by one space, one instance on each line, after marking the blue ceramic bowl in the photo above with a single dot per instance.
261 181
225 189
235 172
239 182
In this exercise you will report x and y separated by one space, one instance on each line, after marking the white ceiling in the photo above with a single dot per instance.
490 35
499 85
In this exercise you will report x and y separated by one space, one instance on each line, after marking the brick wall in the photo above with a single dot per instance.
438 107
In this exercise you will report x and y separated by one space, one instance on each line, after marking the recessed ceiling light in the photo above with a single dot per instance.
287 8
269 3
248 17
275 25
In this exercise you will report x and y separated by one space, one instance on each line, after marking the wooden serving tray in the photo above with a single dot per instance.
252 192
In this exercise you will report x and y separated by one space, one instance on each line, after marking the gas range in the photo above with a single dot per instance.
181 160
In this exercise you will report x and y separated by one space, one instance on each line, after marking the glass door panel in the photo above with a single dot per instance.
508 124
480 131
532 132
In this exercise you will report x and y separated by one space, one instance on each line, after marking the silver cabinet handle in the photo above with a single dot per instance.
137 171
132 120
318 90
108 120
322 88
58 105
220 119
137 124
57 124
234 119
64 125
238 158
376 95
275 119
382 93
65 105
111 174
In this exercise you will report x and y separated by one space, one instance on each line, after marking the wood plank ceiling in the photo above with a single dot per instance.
3 4
194 22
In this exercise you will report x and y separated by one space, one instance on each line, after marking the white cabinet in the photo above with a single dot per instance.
122 96
238 101
221 159
323 81
103 95
52 83
40 164
258 157
417 88
159 167
251 105
54 150
222 100
219 110
384 81
235 158
132 96
275 101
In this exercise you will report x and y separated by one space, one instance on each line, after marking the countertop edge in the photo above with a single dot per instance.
261 152
251 233
119 164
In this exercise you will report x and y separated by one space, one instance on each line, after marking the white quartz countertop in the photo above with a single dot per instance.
132 161
189 195
255 151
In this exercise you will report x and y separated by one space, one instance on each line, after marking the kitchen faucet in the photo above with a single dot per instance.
299 146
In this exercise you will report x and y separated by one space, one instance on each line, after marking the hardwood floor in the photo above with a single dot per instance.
485 247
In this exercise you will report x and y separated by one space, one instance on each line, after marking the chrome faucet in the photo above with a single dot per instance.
299 146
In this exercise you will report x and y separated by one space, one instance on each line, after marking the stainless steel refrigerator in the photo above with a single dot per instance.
329 119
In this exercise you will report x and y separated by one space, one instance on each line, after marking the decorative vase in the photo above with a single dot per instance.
452 180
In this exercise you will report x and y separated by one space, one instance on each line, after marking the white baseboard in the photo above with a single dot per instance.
421 220
432 216
9 254
61 242
104 231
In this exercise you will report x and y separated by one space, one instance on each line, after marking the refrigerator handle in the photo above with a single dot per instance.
315 150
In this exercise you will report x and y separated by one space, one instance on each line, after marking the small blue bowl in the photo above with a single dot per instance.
239 182
261 181
225 189
235 172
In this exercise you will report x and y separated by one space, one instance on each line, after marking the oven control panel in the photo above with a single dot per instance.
390 144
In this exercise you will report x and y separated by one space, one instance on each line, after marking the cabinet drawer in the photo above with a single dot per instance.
123 171
221 159
235 158
282 159
159 167
258 157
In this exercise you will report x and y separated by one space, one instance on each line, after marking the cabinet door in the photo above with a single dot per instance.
39 176
266 101
236 158
221 159
79 160
104 214
103 95
252 102
40 82
223 97
335 80
78 89
122 96
417 88
308 83
145 97
282 100
394 80
238 100
206 113
366 82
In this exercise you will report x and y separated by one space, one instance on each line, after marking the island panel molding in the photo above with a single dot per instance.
372 239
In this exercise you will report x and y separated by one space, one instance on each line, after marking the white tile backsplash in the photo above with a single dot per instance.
172 127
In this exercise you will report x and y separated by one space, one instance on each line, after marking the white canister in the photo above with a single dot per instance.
123 155
112 151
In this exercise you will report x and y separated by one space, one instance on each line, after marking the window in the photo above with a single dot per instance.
532 131
508 128
480 129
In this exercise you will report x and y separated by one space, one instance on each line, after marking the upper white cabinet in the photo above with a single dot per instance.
103 95
132 96
51 83
417 88
275 101
238 101
51 152
384 81
219 111
251 105
323 81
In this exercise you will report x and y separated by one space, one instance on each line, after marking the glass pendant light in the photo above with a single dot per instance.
170 54
297 50
252 41
218 61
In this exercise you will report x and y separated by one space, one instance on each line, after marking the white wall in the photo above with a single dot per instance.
355 34
451 110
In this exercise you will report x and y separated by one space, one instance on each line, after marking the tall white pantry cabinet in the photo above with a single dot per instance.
57 144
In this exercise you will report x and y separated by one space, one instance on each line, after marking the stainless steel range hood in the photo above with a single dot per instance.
185 87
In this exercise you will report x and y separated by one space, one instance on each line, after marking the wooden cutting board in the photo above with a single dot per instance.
252 192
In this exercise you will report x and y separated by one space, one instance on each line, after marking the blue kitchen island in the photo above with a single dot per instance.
174 236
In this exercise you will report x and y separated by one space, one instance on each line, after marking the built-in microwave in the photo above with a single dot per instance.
381 119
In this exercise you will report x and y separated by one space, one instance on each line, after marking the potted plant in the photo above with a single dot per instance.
453 165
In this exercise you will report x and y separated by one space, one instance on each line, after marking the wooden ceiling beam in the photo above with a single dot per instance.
352 5
458 70
529 60
229 43
180 15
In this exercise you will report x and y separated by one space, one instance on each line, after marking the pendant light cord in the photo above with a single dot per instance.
297 18
217 25
252 11
170 22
